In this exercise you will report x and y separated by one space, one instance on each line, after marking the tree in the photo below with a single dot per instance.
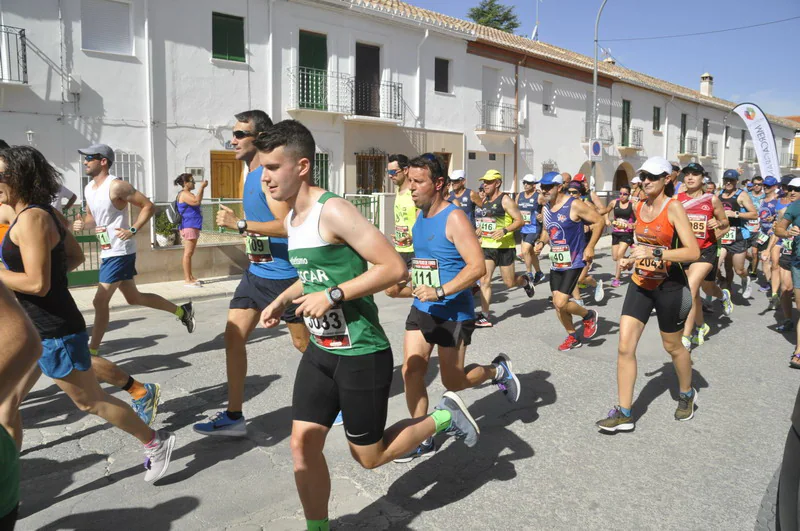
495 15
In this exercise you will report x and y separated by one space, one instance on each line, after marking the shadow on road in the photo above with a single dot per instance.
158 518
664 380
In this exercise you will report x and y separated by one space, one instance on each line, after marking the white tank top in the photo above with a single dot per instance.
109 218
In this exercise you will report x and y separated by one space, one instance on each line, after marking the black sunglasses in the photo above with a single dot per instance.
90 158
793 188
645 176
548 187
238 134
574 192
3 176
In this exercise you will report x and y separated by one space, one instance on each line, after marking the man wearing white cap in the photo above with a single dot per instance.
531 210
789 227
462 197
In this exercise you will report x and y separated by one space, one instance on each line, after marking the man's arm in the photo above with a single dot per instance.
87 223
781 227
512 209
476 198
719 223
126 192
275 228
588 214
745 201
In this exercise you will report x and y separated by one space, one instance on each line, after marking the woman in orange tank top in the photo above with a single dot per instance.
7 215
664 240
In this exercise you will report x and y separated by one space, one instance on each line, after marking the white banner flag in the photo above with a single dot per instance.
763 138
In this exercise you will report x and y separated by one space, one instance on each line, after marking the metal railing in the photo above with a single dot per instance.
749 154
13 55
788 160
210 234
379 100
493 116
604 127
713 149
368 205
689 145
321 90
633 138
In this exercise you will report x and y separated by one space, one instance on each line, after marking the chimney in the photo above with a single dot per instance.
610 60
707 85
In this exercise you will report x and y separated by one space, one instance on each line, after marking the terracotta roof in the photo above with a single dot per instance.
793 118
552 53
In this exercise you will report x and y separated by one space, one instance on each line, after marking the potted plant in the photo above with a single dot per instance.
166 232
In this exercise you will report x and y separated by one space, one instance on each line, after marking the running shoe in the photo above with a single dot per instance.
765 288
754 276
599 292
538 277
773 301
590 324
785 326
520 259
579 302
727 305
462 425
581 285
794 361
615 283
221 425
687 342
481 321
702 332
157 457
528 286
509 384
747 289
570 343
147 406
685 410
425 450
616 421
338 421
188 316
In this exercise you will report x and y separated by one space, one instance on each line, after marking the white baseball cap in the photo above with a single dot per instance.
457 175
656 166
636 180
529 178
795 182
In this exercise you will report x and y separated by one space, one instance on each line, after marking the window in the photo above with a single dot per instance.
442 75
548 97
741 146
492 156
704 147
656 118
322 170
472 155
227 37
106 26
684 118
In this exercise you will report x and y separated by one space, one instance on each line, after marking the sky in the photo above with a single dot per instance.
758 65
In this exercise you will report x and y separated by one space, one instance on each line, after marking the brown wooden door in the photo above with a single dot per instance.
226 175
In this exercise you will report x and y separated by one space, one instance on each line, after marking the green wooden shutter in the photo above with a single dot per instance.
313 76
227 37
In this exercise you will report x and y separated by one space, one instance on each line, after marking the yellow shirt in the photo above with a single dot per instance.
405 215
494 218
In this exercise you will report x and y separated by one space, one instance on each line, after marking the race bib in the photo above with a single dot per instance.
258 248
526 216
487 226
401 232
652 268
763 237
729 236
330 330
560 257
699 224
754 225
425 272
788 245
103 238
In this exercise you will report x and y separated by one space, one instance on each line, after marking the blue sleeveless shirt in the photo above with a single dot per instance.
464 202
256 209
565 236
432 250
529 207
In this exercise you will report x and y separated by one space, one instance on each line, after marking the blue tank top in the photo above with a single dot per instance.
256 209
191 216
432 250
464 202
767 210
566 236
732 203
529 207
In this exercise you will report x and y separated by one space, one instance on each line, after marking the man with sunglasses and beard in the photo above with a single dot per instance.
739 209
563 220
757 195
269 274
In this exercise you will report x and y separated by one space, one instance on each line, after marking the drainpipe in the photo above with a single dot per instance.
270 60
149 82
666 128
420 87
516 120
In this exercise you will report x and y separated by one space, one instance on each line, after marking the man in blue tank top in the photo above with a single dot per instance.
564 217
448 260
462 197
269 274
531 210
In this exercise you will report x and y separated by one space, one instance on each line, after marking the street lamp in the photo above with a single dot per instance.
29 135
595 124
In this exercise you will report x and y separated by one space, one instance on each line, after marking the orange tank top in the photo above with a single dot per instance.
649 273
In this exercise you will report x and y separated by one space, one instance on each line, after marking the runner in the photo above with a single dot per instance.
757 195
673 183
766 213
707 218
448 260
739 208
501 217
711 187
577 189
38 252
664 239
531 210
348 363
781 253
462 197
788 227
622 231
268 275
637 194
405 213
564 217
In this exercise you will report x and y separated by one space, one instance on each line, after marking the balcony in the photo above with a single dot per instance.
13 56
320 90
688 147
496 118
788 160
375 102
630 140
604 135
711 151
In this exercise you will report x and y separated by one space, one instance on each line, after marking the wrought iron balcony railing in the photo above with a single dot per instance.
604 127
632 138
499 117
13 55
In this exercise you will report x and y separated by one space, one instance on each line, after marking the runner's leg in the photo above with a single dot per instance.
486 287
102 299
136 298
241 323
630 331
416 356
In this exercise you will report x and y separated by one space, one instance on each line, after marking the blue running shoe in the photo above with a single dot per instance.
538 277
147 406
339 421
220 424
462 425
426 449
508 384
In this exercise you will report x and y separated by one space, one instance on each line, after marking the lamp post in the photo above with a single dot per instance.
29 135
595 123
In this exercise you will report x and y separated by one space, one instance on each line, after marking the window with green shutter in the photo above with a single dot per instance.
227 37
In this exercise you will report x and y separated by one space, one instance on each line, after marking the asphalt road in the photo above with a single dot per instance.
540 464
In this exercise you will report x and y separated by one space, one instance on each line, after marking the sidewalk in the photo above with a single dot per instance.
212 288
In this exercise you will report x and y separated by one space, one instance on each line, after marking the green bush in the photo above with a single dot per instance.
163 225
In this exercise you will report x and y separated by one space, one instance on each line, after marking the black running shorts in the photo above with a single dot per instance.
437 331
500 257
620 237
564 281
737 247
256 293
710 255
358 386
671 300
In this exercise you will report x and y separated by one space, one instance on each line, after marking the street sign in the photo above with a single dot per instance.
596 151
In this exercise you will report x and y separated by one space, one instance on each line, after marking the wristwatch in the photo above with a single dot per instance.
440 293
133 230
658 252
241 225
505 230
336 295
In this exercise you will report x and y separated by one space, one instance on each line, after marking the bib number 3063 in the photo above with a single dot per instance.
425 272
258 248
330 330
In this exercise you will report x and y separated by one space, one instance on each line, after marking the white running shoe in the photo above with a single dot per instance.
599 292
157 458
747 289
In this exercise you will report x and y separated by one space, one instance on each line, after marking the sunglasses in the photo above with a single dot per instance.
574 192
548 187
238 134
793 188
3 176
650 177
90 158
392 173
624 194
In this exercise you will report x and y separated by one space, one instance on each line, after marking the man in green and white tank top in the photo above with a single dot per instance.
348 365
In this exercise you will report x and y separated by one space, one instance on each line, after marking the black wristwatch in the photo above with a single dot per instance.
658 252
440 293
336 295
505 231
133 230
241 225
